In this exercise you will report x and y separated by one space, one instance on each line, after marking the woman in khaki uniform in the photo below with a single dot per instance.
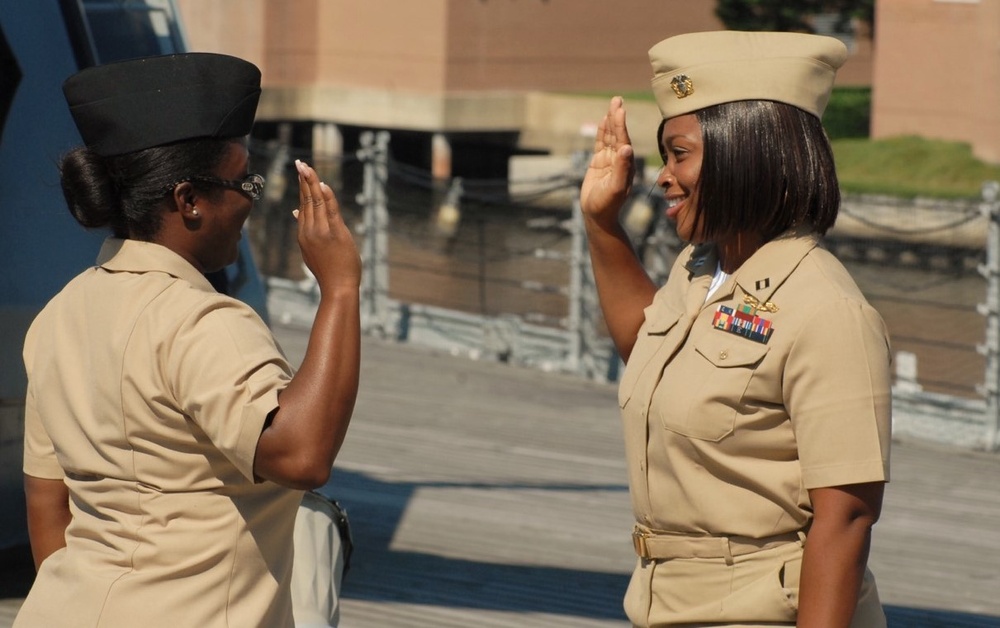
756 396
166 438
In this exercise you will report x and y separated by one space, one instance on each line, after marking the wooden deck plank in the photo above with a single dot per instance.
544 452
515 506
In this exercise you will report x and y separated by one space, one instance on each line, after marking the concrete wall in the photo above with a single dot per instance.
457 45
937 72
563 45
453 65
437 65
233 27
446 45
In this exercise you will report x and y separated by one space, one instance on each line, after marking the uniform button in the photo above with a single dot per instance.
723 354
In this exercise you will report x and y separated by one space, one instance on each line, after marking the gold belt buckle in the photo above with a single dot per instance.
639 543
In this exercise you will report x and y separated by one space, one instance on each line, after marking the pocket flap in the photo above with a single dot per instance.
660 316
726 350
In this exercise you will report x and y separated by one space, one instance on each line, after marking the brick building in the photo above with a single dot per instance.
472 79
937 72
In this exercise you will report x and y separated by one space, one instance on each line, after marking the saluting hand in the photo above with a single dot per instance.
328 248
609 176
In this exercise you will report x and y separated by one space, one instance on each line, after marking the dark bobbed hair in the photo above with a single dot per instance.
766 167
126 192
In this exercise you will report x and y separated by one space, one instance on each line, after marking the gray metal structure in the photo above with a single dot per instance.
575 346
991 310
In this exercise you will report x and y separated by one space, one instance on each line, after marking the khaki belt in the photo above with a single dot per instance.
653 545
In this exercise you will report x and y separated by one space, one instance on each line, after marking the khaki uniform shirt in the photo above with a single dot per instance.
731 416
147 394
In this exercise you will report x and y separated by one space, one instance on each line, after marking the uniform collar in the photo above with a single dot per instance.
766 269
772 263
134 256
703 260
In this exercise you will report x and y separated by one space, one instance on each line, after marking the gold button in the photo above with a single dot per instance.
723 354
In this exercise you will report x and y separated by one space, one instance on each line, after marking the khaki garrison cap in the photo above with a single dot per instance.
698 70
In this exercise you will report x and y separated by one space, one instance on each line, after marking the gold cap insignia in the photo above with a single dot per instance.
682 85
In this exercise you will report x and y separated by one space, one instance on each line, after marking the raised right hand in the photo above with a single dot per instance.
609 176
327 245
297 448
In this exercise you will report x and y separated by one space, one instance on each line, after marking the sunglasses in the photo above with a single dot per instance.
251 186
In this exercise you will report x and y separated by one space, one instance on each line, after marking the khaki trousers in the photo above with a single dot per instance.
763 585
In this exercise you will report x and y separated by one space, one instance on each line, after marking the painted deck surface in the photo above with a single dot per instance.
492 496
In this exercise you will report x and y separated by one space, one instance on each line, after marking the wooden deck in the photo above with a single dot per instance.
492 496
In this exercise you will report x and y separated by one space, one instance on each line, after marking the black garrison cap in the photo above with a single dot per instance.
130 105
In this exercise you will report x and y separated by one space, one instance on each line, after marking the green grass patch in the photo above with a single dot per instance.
911 166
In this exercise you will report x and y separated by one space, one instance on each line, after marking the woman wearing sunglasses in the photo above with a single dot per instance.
167 440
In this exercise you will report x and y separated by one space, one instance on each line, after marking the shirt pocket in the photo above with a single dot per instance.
703 388
661 317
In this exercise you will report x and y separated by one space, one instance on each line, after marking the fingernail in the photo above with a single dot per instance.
295 214
323 185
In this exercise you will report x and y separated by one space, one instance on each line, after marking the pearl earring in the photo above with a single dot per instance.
194 212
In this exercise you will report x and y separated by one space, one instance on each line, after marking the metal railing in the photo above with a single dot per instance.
472 268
